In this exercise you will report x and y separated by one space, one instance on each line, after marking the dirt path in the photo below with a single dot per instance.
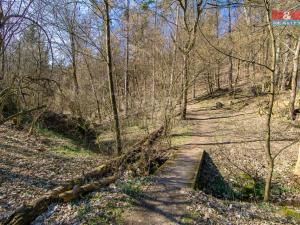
166 202
234 139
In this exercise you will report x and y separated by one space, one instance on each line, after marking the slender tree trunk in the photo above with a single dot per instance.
74 64
270 110
74 68
294 81
230 66
154 65
266 62
110 78
92 82
126 87
236 79
285 74
277 68
185 86
174 51
217 72
170 91
194 86
2 43
217 77
188 45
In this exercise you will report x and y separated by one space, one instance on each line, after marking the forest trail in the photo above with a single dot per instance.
166 201
233 137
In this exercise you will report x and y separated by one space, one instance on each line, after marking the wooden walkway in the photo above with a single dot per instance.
165 202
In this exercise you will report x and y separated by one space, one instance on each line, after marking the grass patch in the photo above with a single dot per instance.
191 218
110 215
288 212
65 146
48 133
247 188
72 151
104 208
133 188
181 134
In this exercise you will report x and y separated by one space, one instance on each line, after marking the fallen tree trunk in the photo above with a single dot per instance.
22 113
27 213
78 187
77 192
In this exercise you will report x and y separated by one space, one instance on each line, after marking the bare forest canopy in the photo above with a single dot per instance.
152 55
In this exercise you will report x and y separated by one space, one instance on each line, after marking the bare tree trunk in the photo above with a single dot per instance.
74 63
217 72
194 86
174 51
236 79
294 81
154 66
185 86
110 78
277 68
189 45
2 47
126 87
270 110
2 44
230 66
285 74
266 62
92 82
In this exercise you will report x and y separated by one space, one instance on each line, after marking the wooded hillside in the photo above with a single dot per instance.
108 78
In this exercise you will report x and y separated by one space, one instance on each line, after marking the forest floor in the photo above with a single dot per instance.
32 165
232 136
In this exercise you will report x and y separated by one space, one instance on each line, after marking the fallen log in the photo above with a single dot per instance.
77 192
21 113
27 213
78 187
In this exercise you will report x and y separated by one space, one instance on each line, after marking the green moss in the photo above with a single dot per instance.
187 220
249 188
288 212
72 151
191 218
